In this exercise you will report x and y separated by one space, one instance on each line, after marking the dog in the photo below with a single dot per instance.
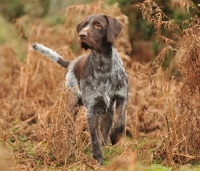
98 79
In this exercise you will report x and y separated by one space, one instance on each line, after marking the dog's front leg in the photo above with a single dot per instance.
93 125
119 126
106 124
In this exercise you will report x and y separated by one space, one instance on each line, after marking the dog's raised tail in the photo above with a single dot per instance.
51 54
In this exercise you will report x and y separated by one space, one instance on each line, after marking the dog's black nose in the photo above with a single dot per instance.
83 34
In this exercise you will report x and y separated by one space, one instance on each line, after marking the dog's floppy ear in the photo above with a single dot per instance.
113 29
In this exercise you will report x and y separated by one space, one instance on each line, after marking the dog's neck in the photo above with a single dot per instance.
105 49
102 59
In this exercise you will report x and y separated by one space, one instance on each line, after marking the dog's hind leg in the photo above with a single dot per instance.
72 101
119 125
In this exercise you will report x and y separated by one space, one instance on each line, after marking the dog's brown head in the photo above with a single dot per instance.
97 30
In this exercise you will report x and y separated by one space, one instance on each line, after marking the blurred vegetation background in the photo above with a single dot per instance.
144 46
29 87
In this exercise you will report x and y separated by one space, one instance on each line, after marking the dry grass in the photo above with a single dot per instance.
36 123
181 144
188 94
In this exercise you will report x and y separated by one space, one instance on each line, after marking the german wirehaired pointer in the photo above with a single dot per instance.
98 80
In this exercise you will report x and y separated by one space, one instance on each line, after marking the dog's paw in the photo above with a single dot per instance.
116 134
100 161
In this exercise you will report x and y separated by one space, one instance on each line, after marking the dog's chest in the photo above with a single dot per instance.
96 90
104 85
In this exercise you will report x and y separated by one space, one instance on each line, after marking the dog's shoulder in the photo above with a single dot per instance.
81 67
117 63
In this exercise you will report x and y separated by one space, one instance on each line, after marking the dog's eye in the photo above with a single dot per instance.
98 26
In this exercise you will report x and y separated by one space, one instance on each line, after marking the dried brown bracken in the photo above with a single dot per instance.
36 122
181 143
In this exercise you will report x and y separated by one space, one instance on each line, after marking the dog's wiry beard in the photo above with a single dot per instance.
90 45
84 46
